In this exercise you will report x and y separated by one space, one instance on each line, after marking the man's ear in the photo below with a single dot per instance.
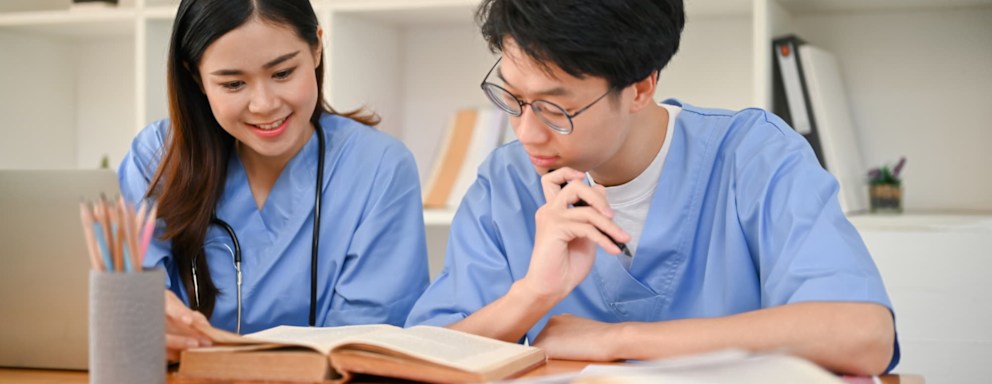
319 52
644 92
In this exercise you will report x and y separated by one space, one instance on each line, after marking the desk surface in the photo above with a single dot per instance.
38 376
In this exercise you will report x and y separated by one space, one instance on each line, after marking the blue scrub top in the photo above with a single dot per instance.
743 218
372 263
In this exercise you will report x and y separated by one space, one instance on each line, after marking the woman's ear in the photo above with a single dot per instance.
195 75
318 53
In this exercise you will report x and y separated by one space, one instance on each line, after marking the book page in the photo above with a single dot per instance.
448 347
321 339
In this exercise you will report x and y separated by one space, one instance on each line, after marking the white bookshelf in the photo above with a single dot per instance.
414 62
918 73
68 84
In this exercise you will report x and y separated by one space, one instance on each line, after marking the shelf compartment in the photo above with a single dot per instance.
71 24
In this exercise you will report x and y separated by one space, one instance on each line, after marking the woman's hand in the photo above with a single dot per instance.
566 237
180 327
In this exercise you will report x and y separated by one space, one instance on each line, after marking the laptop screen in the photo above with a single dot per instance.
44 277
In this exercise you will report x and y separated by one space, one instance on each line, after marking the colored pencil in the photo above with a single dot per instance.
86 216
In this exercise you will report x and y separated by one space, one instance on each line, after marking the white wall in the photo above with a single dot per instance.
363 68
442 69
105 100
714 66
37 103
156 53
415 76
72 101
920 85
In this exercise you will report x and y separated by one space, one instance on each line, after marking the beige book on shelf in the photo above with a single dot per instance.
336 354
486 136
450 158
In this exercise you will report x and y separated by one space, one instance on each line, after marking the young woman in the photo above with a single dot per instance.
274 208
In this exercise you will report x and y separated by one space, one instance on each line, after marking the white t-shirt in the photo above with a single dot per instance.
631 201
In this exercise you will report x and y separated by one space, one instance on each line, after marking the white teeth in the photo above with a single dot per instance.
274 125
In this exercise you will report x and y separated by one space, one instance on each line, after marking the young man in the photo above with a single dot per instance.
734 233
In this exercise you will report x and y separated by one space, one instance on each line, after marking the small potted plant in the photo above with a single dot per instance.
885 188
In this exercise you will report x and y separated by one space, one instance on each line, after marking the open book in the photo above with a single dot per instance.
421 353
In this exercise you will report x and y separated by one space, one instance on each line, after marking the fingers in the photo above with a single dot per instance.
582 222
578 203
181 324
176 344
552 181
589 223
563 187
177 314
579 194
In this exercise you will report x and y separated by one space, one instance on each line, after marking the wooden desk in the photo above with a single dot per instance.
554 367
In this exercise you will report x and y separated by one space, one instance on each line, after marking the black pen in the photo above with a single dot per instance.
583 203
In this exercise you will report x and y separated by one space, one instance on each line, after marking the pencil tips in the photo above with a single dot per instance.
117 235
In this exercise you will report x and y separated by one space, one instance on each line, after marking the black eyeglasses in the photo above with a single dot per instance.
552 115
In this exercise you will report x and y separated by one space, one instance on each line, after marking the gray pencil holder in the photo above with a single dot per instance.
127 327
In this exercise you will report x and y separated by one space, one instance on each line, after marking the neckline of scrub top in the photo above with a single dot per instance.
680 182
288 205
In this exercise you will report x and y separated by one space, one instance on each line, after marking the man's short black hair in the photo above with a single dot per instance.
623 41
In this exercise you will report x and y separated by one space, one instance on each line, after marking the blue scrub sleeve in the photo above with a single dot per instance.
134 175
385 269
806 248
476 272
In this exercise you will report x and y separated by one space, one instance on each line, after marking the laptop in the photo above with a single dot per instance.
44 275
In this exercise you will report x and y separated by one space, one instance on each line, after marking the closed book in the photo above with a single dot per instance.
809 94
487 135
837 133
450 158
337 354
790 92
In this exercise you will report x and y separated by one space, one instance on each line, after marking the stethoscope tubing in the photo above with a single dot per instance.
313 247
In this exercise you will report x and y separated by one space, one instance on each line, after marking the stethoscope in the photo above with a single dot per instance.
313 248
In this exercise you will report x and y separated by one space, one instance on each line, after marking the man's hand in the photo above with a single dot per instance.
566 237
564 253
571 337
